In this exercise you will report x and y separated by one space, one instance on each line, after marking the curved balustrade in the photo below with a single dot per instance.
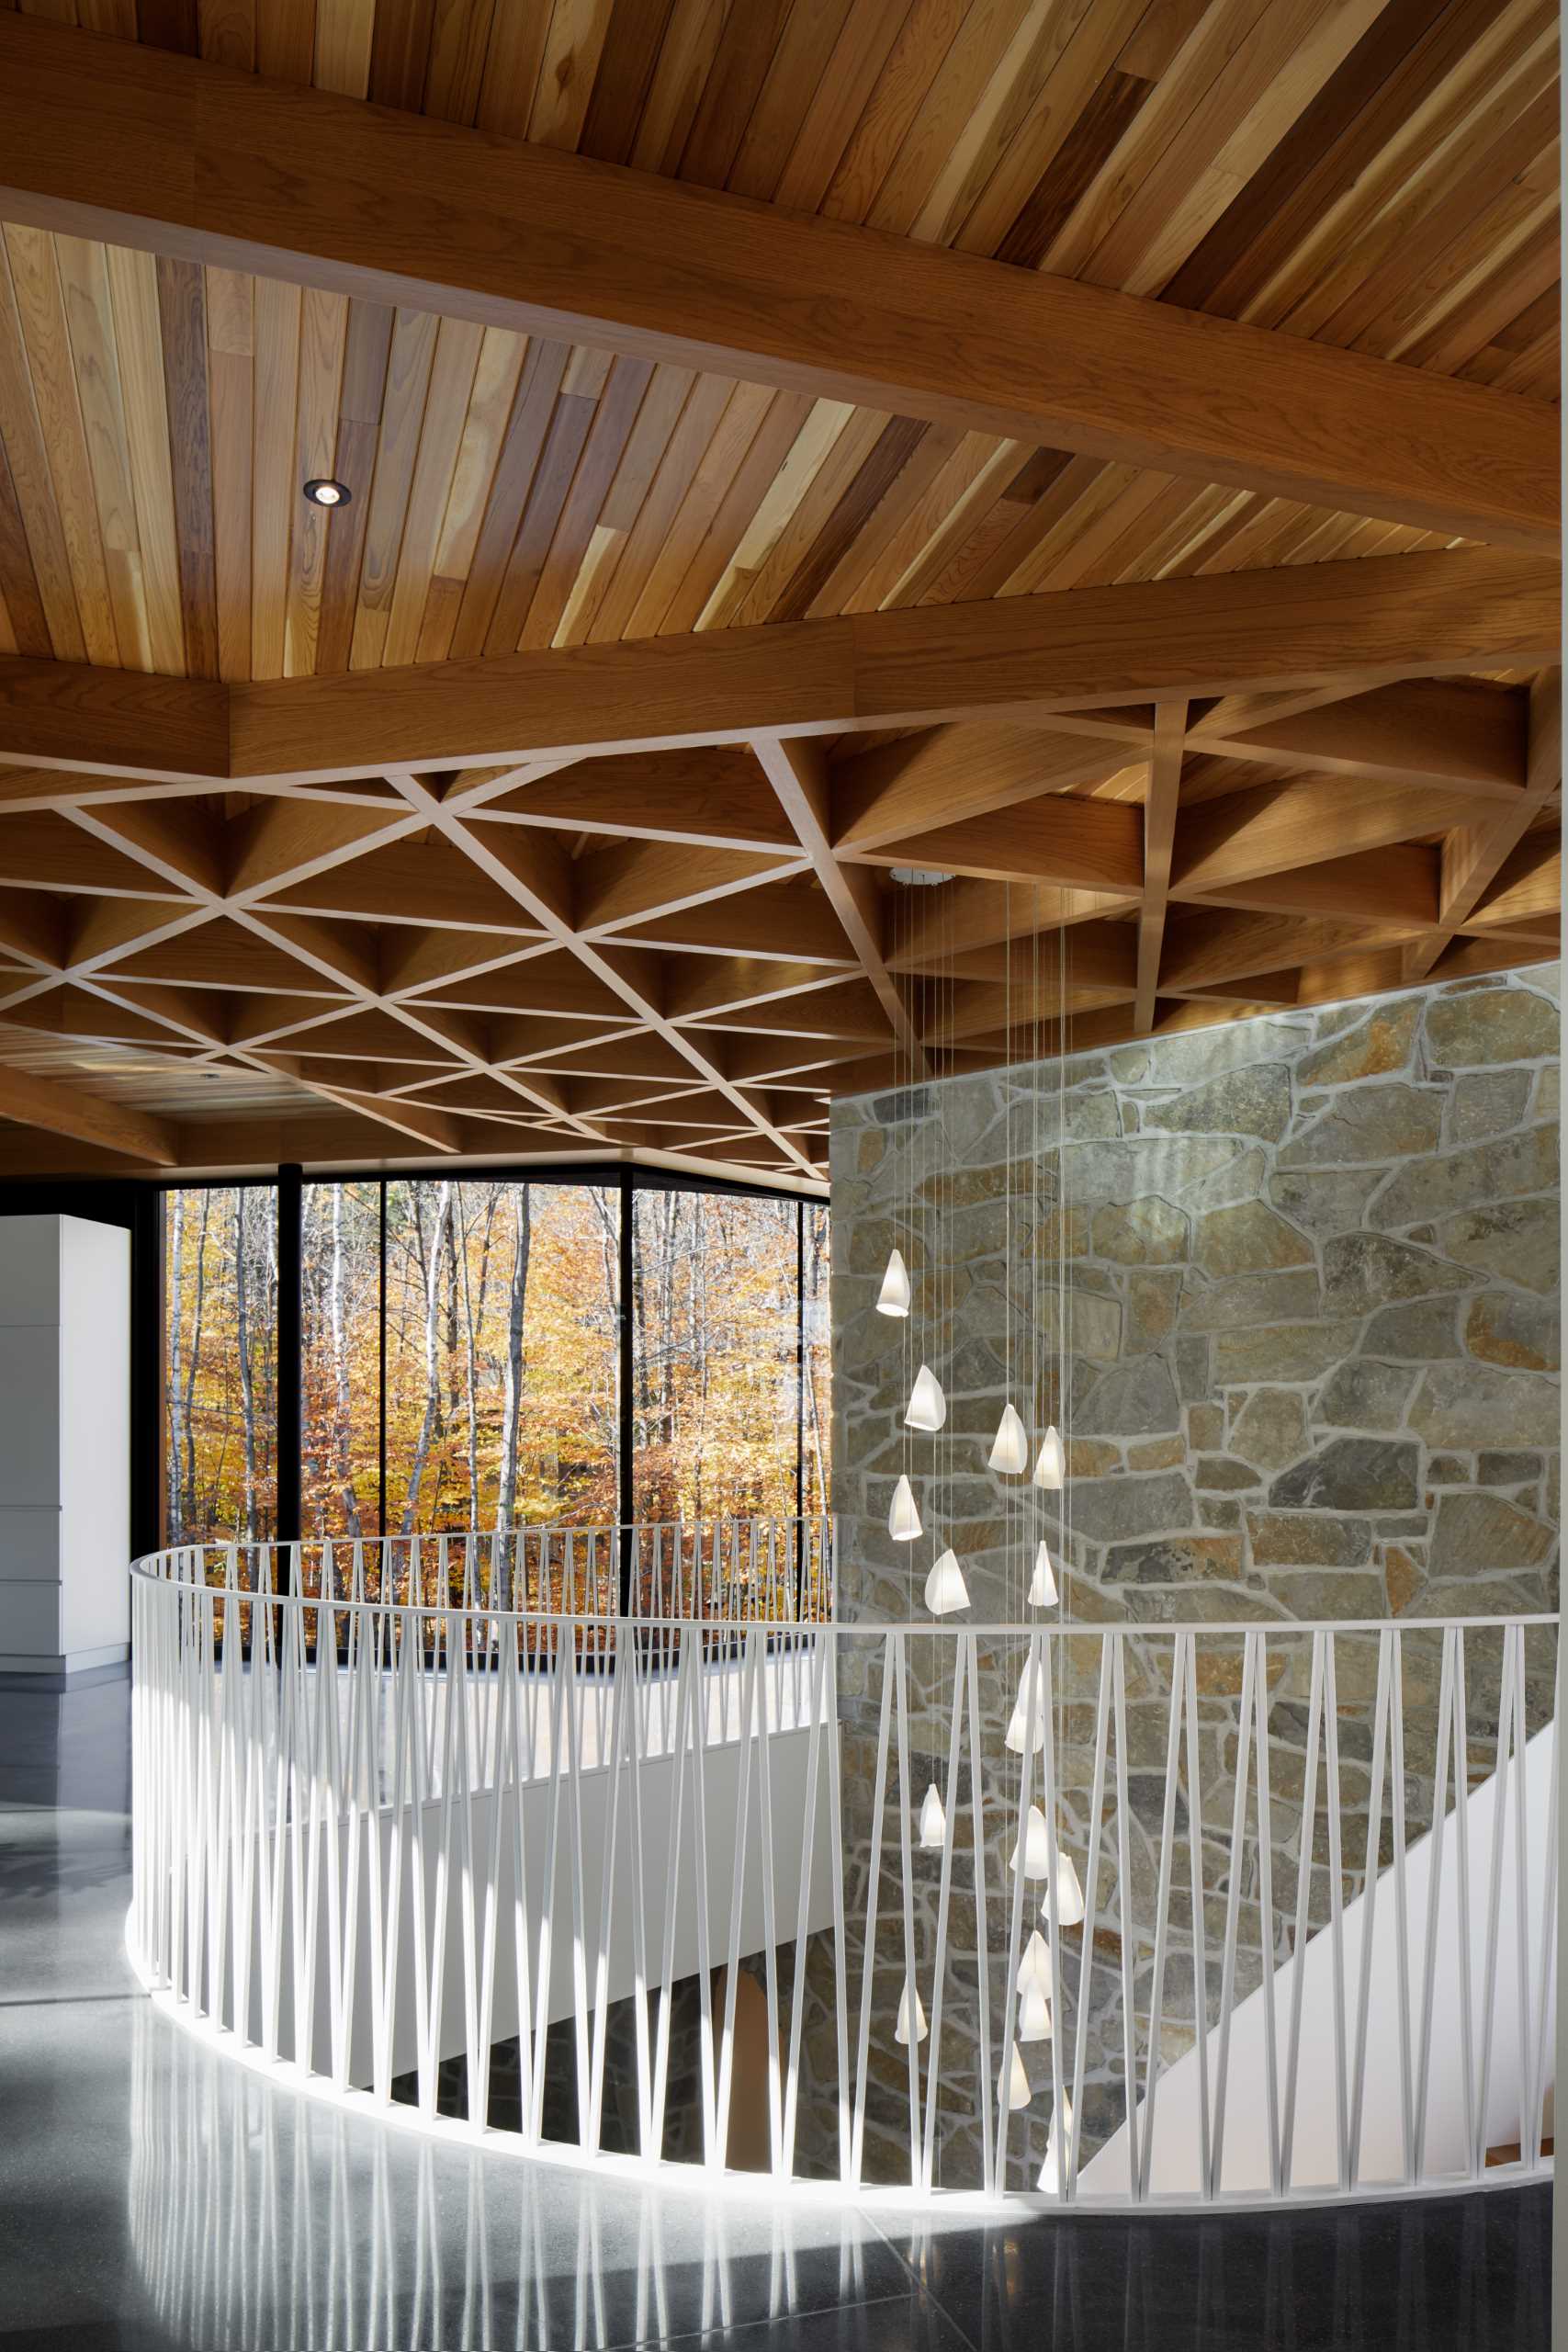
1117 1915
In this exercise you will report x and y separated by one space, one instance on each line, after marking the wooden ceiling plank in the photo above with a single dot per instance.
397 208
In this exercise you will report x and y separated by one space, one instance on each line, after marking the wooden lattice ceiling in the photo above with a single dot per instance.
707 562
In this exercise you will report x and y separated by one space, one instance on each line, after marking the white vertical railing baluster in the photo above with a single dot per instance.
868 1945
1434 1894
1461 1881
1233 1911
1118 1647
1200 1939
1153 2064
1501 1775
944 1890
1304 1892
1369 1880
1036 1716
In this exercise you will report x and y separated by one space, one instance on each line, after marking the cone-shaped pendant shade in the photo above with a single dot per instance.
1070 1893
901 2031
1050 1467
933 1823
1010 1452
945 1588
903 1518
1033 2013
1017 2081
1018 1724
1034 1968
1053 2172
926 1408
1042 1584
1036 1853
894 1297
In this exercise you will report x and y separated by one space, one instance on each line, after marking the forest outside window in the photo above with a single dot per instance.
463 1360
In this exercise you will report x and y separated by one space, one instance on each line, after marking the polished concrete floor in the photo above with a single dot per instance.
152 2195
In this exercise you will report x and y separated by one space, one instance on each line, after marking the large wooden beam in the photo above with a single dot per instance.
67 1111
1018 658
1159 833
149 148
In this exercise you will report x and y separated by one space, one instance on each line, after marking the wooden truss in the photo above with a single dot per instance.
1152 805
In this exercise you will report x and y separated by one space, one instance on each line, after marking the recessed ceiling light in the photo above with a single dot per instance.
328 494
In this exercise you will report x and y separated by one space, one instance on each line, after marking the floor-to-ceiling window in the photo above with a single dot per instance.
221 1360
716 1355
463 1358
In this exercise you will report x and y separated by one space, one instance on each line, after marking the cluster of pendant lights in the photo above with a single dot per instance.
927 1409
945 1592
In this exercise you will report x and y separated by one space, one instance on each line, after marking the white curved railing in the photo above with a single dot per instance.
602 1884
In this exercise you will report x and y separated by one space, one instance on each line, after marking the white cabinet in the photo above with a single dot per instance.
64 1445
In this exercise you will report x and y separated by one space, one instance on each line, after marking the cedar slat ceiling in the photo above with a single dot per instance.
1376 175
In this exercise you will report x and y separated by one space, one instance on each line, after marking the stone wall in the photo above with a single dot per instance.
1305 1274
1309 1267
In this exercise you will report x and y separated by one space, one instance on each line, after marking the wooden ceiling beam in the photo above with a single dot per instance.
1159 832
1474 853
490 849
799 774
1297 823
1093 845
1456 733
145 147
1012 659
945 773
71 1110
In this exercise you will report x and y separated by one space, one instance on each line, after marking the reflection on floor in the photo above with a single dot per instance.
152 2195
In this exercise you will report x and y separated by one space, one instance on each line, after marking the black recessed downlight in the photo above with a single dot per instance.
323 491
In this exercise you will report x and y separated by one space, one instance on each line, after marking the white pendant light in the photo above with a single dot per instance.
1043 1591
1010 1452
1018 1725
1036 1851
933 1823
945 1588
1018 2092
1034 1968
901 2031
1050 1468
1054 2167
1070 1893
894 1297
926 1408
904 1520
1033 2013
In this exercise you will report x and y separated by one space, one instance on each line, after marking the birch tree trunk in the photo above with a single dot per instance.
472 1389
193 1365
175 1311
242 1348
340 1371
506 1501
432 1358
